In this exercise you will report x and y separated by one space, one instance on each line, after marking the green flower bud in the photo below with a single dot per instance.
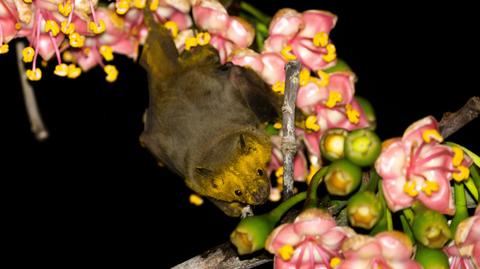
431 258
431 229
332 143
342 177
364 210
362 147
369 111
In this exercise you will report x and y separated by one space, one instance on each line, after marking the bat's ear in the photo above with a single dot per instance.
257 94
159 55
242 142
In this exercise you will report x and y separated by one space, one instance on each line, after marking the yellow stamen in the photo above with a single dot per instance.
429 187
86 51
61 70
28 54
203 38
190 43
320 39
112 73
34 75
313 170
97 28
458 156
463 174
74 71
279 87
331 53
195 200
67 28
277 125
304 77
430 134
27 1
335 261
76 40
279 172
67 56
353 115
65 9
173 27
286 252
18 26
287 53
311 123
122 6
154 5
107 52
333 98
324 79
4 48
410 188
52 26
140 4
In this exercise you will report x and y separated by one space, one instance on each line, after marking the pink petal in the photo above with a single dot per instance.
210 15
313 222
87 62
273 69
312 59
126 47
474 234
182 20
343 82
317 21
476 253
46 49
406 264
282 235
414 132
275 43
247 58
392 161
333 238
300 171
394 245
180 5
309 95
354 264
240 32
366 251
286 22
312 141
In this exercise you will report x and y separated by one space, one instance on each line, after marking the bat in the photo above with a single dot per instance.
205 121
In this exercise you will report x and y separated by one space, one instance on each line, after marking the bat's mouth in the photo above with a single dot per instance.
232 209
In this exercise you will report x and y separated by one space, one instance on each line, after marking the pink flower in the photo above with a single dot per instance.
227 32
311 241
417 167
465 250
387 250
8 19
269 65
305 35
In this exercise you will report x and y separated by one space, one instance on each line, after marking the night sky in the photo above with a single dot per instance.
91 192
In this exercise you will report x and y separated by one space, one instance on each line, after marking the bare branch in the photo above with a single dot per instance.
452 122
289 146
36 122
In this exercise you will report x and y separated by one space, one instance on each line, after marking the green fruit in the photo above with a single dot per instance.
362 147
369 111
332 143
431 258
431 229
342 177
364 210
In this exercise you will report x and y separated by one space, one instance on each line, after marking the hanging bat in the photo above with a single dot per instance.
204 121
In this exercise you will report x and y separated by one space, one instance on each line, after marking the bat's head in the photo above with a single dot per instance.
233 174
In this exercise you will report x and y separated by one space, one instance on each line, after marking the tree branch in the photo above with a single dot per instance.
289 145
452 122
36 122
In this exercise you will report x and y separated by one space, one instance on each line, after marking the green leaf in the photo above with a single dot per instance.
471 188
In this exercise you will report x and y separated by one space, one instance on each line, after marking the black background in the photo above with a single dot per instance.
91 193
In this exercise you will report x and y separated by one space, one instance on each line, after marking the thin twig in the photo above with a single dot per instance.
289 145
36 122
452 122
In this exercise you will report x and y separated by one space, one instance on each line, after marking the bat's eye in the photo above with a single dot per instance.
260 172
238 192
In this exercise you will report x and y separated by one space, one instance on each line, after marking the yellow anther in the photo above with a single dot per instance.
122 6
279 172
61 70
154 5
203 38
287 53
140 4
457 157
410 188
27 1
311 123
333 98
335 261
190 43
97 28
429 187
28 54
34 75
4 48
65 9
74 71
462 174
67 28
353 115
331 53
430 134
277 125
112 73
313 170
304 77
52 26
173 27
324 78
67 56
286 252
76 40
279 87
195 200
18 26
107 52
87 51
320 39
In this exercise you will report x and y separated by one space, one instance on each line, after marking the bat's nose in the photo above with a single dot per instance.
260 195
